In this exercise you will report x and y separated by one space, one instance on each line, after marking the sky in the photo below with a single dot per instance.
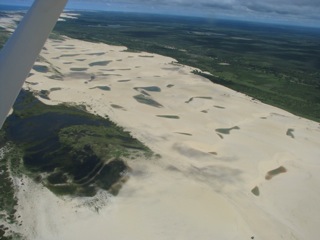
296 12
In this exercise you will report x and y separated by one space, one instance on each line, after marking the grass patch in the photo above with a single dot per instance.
9 166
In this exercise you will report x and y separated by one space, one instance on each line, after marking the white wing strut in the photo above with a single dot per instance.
22 49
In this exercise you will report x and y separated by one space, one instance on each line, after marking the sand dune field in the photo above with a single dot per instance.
231 167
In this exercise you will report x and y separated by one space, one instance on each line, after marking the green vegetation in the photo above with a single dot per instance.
274 64
7 199
4 35
56 36
67 149
9 158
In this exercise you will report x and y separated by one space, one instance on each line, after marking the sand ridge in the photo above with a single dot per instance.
216 145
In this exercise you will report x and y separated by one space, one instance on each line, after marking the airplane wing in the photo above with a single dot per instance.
22 49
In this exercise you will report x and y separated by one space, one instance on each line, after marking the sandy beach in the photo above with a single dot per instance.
231 167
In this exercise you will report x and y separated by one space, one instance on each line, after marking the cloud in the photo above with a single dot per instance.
297 10
268 6
217 5
294 10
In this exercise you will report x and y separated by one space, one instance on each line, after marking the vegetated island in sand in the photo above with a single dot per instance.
227 166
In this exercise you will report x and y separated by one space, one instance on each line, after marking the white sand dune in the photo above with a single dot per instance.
216 145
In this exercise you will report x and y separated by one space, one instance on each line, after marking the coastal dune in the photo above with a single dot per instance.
230 167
